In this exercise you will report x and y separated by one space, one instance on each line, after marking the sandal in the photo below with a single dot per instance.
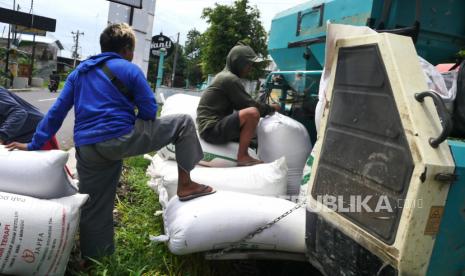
199 194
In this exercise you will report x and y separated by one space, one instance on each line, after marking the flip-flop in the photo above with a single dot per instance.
196 195
249 163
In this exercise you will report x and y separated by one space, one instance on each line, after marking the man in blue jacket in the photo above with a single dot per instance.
105 90
18 118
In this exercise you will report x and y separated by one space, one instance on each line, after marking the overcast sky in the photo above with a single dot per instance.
171 17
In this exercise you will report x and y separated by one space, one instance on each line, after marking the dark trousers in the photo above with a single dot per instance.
99 168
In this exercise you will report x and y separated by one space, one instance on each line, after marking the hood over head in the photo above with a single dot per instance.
239 57
96 60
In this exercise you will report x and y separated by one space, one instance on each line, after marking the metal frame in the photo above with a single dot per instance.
257 255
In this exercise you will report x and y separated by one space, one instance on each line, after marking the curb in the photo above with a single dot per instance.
25 89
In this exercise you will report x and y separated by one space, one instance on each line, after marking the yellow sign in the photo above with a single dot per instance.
27 30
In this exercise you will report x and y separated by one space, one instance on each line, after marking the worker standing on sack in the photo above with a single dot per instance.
105 90
226 112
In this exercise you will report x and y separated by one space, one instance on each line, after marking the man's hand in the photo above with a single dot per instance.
16 145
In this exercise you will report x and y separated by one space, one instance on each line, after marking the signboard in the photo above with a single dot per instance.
27 20
131 3
30 31
161 41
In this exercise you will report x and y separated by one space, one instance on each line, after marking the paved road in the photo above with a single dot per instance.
44 100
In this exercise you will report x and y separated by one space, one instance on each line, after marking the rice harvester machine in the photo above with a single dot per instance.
387 189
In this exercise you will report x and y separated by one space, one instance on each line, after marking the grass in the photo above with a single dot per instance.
135 221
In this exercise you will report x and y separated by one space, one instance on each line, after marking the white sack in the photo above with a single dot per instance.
160 167
37 235
156 185
307 173
445 85
213 155
278 136
38 174
181 104
269 179
215 221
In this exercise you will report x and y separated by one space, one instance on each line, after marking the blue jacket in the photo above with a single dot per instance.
101 111
18 118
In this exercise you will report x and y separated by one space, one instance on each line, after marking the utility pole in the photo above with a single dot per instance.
131 15
76 45
15 34
175 60
31 66
7 61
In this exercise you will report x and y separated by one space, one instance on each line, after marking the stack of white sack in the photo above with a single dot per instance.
213 155
278 136
247 197
269 179
216 221
237 208
36 235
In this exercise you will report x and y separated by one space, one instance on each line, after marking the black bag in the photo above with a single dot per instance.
458 117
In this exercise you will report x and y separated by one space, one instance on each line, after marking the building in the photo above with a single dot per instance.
46 54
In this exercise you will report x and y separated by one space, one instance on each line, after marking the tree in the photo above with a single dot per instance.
192 49
229 25
193 41
180 66
152 70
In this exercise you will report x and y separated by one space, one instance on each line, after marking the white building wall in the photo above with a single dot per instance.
142 24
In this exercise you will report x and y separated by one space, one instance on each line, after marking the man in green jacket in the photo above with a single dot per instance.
226 112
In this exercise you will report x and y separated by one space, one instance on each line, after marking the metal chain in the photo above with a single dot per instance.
257 231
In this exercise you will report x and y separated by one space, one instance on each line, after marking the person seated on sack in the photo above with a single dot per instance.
105 90
19 119
226 112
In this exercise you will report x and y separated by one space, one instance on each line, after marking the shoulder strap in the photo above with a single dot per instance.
117 82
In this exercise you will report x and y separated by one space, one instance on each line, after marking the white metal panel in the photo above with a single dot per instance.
413 245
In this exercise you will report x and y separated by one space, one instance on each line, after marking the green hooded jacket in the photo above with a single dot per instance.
227 93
